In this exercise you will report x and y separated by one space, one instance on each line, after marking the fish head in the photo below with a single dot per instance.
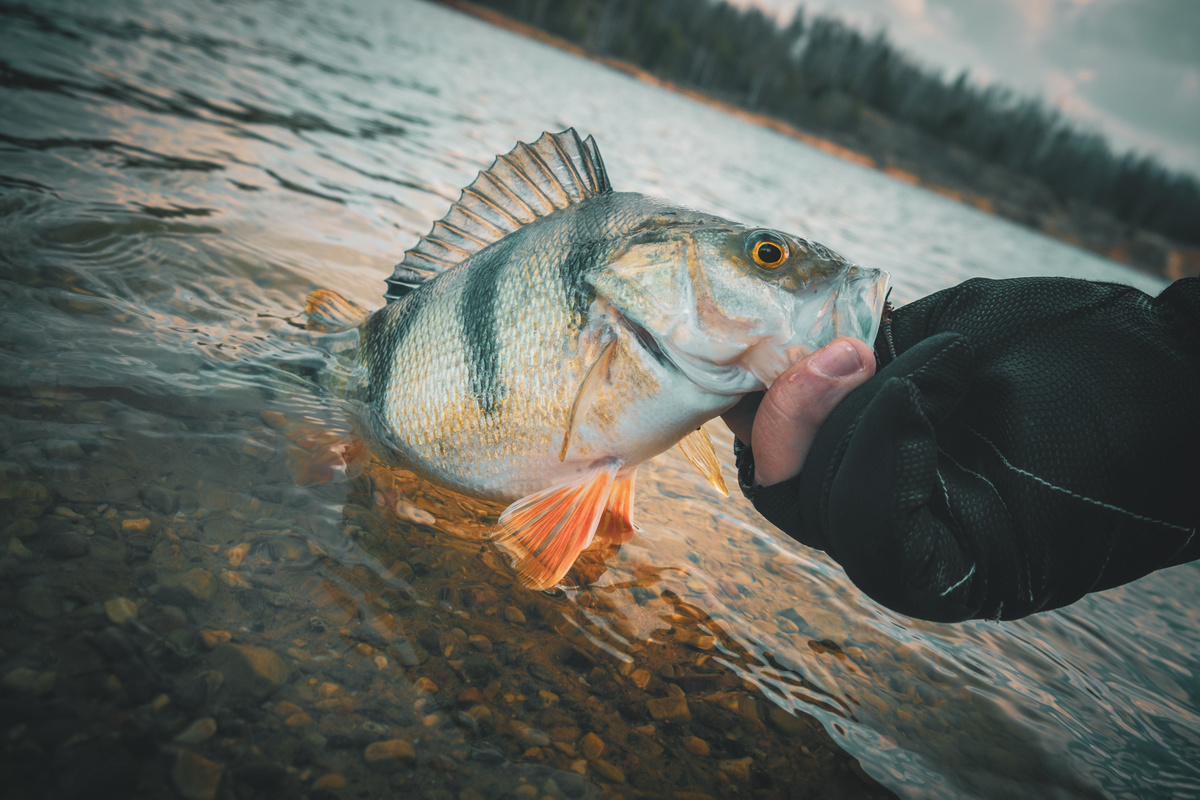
732 307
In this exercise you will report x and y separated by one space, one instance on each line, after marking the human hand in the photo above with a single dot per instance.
1033 440
780 424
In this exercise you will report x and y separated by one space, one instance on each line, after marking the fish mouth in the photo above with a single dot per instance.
859 307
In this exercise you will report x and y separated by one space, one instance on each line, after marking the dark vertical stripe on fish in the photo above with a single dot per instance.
572 275
385 330
477 318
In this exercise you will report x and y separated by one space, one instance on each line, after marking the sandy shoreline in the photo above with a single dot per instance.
908 157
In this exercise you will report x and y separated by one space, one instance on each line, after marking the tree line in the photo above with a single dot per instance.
821 74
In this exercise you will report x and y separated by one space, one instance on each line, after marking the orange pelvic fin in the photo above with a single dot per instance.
545 532
698 449
329 312
616 524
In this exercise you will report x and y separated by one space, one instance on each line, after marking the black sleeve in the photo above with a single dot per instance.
1031 440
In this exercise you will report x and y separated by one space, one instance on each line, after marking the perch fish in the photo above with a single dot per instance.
549 334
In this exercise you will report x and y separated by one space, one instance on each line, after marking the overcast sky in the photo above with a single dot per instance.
1130 68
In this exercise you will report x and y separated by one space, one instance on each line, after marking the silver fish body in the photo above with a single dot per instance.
543 352
471 376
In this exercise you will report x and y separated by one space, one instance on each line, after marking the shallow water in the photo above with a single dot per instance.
176 178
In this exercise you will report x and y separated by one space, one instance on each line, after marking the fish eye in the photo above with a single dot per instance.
768 250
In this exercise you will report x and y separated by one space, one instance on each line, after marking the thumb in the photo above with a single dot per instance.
799 401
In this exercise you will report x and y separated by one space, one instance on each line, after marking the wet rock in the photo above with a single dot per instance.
195 777
213 638
541 672
696 746
333 780
286 708
738 769
137 525
480 643
18 550
250 671
607 771
25 499
469 696
632 709
161 499
389 753
186 588
65 545
39 601
120 610
191 692
786 723
237 554
669 709
591 746
21 529
29 681
514 615
199 731
479 668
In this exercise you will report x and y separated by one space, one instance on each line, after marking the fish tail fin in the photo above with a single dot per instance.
616 524
316 454
329 312
546 531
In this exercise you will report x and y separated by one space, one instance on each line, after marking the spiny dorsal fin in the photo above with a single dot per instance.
528 182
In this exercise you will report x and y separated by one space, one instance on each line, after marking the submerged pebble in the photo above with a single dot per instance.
195 777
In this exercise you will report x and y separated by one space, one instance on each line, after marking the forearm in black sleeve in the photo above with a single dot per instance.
1034 440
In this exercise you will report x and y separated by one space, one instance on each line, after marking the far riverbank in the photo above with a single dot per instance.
910 156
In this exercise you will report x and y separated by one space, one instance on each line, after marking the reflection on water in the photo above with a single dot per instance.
177 610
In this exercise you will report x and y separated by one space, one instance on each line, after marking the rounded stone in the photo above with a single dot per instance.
670 709
160 499
331 781
250 670
607 771
195 777
39 601
25 499
186 588
199 731
120 610
591 746
389 752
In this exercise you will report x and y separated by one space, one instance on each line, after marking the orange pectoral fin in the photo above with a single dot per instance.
545 532
318 460
616 525
316 454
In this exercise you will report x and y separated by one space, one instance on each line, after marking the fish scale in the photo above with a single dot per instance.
549 334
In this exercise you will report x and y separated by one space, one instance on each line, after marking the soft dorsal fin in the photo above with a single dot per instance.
528 182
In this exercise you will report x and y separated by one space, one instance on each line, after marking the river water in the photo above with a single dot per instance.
175 177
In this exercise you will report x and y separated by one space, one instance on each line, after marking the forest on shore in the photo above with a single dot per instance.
821 75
